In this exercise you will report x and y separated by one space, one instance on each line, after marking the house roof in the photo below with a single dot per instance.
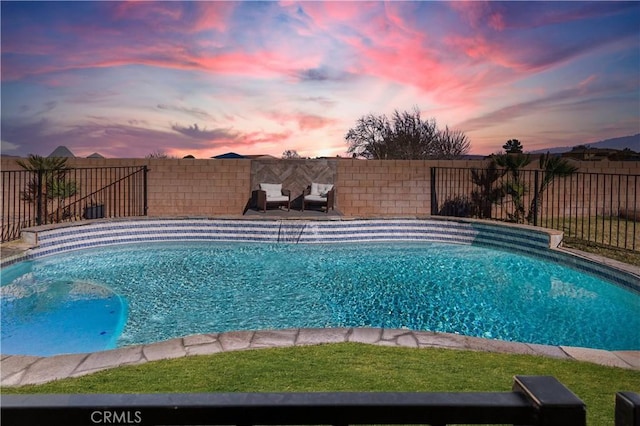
228 155
260 157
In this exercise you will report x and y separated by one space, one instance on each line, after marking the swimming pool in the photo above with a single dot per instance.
122 295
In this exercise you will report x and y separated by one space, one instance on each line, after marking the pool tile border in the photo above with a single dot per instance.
523 239
19 370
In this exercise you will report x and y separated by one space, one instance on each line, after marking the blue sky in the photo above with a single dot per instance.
203 78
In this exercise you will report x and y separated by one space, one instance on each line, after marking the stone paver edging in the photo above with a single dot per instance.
18 370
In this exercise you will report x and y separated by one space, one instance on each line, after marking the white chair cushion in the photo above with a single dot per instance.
272 190
320 189
316 198
277 198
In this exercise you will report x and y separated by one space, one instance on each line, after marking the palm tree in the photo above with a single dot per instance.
552 167
47 184
515 187
489 193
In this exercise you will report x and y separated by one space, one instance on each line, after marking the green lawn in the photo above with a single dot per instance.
612 237
621 255
354 367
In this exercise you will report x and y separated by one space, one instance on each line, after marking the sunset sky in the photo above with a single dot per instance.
126 79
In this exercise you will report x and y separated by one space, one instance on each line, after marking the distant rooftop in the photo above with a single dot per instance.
229 155
62 152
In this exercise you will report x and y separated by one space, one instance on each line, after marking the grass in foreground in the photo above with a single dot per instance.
354 367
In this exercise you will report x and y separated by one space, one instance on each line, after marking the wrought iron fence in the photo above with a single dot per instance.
31 198
600 208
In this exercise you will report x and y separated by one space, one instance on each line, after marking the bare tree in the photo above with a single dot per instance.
451 144
368 139
290 154
411 137
406 136
159 154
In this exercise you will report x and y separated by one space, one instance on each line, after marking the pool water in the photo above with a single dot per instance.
53 317
135 294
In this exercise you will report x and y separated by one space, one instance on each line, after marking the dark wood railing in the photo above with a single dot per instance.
534 400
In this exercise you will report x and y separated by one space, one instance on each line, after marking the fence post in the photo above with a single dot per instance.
39 182
145 206
535 197
434 196
554 403
627 409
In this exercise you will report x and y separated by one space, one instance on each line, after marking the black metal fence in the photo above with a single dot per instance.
535 400
595 207
31 198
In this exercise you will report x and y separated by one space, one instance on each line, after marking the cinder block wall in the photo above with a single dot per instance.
183 187
189 187
384 188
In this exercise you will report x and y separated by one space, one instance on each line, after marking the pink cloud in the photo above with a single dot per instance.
473 12
251 140
260 64
410 60
496 21
172 16
213 15
257 64
143 11
386 44
159 34
313 122
327 14
303 122
482 50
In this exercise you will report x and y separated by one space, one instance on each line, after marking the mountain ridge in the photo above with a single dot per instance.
631 142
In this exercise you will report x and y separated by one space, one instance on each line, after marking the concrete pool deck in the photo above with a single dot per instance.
19 370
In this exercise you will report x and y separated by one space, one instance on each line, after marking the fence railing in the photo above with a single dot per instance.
31 198
535 400
595 207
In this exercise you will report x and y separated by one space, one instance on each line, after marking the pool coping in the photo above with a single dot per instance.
20 370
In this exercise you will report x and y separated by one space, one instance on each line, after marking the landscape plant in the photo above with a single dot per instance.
48 186
552 168
488 192
503 177
514 186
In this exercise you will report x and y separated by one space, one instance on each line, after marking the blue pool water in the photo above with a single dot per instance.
133 294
